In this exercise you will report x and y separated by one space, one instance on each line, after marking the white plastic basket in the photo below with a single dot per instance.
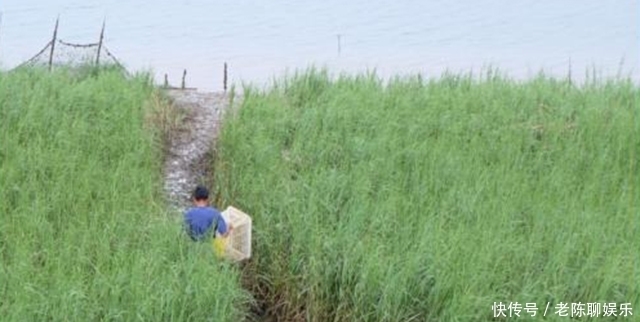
238 244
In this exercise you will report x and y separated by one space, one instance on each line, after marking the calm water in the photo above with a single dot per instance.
260 39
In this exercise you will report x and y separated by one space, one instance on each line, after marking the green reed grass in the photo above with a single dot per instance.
84 235
429 200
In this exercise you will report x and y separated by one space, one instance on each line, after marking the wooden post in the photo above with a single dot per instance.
184 75
53 43
100 44
224 80
166 81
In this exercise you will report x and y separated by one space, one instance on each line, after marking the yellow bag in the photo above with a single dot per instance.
219 246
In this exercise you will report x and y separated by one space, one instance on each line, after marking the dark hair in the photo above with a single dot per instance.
201 193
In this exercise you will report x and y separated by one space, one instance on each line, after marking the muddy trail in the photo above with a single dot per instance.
189 162
190 151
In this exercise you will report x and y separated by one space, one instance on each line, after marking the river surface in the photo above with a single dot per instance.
263 39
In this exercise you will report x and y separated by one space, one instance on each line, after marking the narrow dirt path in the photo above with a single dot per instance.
188 161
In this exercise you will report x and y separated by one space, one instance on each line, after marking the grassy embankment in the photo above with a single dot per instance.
431 200
84 235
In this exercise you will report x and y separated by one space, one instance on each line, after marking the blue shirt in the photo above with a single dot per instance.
200 221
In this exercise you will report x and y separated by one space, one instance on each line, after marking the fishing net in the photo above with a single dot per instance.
62 53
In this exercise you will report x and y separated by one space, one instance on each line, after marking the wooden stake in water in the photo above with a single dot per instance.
184 75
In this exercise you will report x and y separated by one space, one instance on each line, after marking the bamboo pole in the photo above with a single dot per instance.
100 43
224 80
53 43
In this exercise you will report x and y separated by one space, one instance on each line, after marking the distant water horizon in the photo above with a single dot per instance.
261 41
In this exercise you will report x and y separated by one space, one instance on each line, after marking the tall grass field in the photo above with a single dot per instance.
413 200
84 234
